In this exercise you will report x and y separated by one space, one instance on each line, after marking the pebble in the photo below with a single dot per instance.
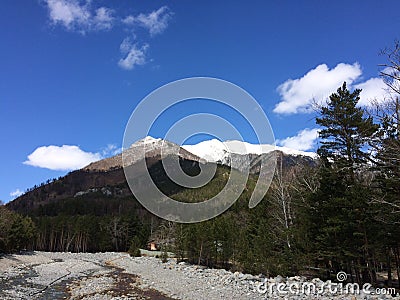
90 276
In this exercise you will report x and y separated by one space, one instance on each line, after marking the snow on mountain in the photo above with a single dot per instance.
152 147
215 150
149 142
211 150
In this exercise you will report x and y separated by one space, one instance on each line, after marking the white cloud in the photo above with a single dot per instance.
103 19
298 94
16 193
303 141
129 20
111 150
84 16
64 158
134 55
68 12
372 89
126 45
155 22
80 17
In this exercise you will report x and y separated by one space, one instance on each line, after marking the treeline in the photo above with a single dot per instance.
16 231
91 223
89 233
271 238
97 221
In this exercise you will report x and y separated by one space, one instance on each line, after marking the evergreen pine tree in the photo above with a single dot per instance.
341 220
346 131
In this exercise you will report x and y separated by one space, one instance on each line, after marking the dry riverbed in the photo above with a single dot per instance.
46 275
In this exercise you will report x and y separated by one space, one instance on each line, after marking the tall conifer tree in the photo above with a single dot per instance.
341 218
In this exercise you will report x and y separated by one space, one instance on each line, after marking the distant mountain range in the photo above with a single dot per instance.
105 178
230 153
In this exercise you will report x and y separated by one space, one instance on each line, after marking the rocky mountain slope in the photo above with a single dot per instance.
151 146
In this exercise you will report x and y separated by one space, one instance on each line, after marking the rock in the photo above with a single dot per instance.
295 278
316 281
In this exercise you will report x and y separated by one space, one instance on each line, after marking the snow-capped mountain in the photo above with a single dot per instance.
217 151
152 146
108 172
231 153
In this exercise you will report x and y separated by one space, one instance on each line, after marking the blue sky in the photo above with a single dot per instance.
73 71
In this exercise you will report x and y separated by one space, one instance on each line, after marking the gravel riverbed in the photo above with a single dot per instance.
49 275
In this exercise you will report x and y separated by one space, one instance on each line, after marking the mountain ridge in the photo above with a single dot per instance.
231 153
108 171
215 150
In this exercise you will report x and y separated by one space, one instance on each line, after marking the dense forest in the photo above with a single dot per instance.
341 213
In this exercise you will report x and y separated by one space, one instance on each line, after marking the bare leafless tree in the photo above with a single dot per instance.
281 202
391 71
387 147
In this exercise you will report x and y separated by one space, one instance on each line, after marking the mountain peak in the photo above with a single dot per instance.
153 147
149 140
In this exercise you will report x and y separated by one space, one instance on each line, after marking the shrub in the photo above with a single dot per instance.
134 249
164 255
